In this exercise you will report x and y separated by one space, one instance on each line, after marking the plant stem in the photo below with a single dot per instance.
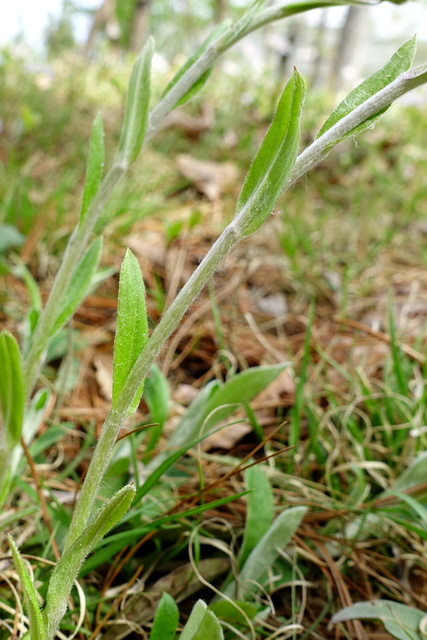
73 254
169 321
171 318
81 236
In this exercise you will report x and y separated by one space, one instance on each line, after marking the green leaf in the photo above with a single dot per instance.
95 165
37 628
233 612
415 474
267 549
274 162
9 237
189 425
157 397
132 326
220 400
166 619
400 621
35 413
202 624
259 513
201 81
238 390
137 107
400 62
419 508
67 569
80 284
12 389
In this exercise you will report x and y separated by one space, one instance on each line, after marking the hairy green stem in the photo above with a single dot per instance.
82 234
73 254
104 449
171 318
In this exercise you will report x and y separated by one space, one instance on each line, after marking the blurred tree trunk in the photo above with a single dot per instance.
140 25
351 48
104 19
288 56
317 79
219 10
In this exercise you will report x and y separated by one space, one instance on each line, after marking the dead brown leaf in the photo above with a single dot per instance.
210 178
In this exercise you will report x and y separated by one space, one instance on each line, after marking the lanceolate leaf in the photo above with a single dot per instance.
80 283
37 628
415 474
202 624
273 164
266 551
400 62
166 619
95 165
201 81
137 107
400 621
259 513
12 389
67 569
215 403
132 326
156 395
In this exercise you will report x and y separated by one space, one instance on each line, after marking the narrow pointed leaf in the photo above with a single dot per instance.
37 628
67 569
95 165
401 621
80 283
202 624
166 619
157 398
400 62
266 551
132 326
273 164
259 513
240 389
223 401
415 474
201 81
137 107
12 389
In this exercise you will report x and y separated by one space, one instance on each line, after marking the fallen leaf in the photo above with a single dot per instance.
210 178
103 364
